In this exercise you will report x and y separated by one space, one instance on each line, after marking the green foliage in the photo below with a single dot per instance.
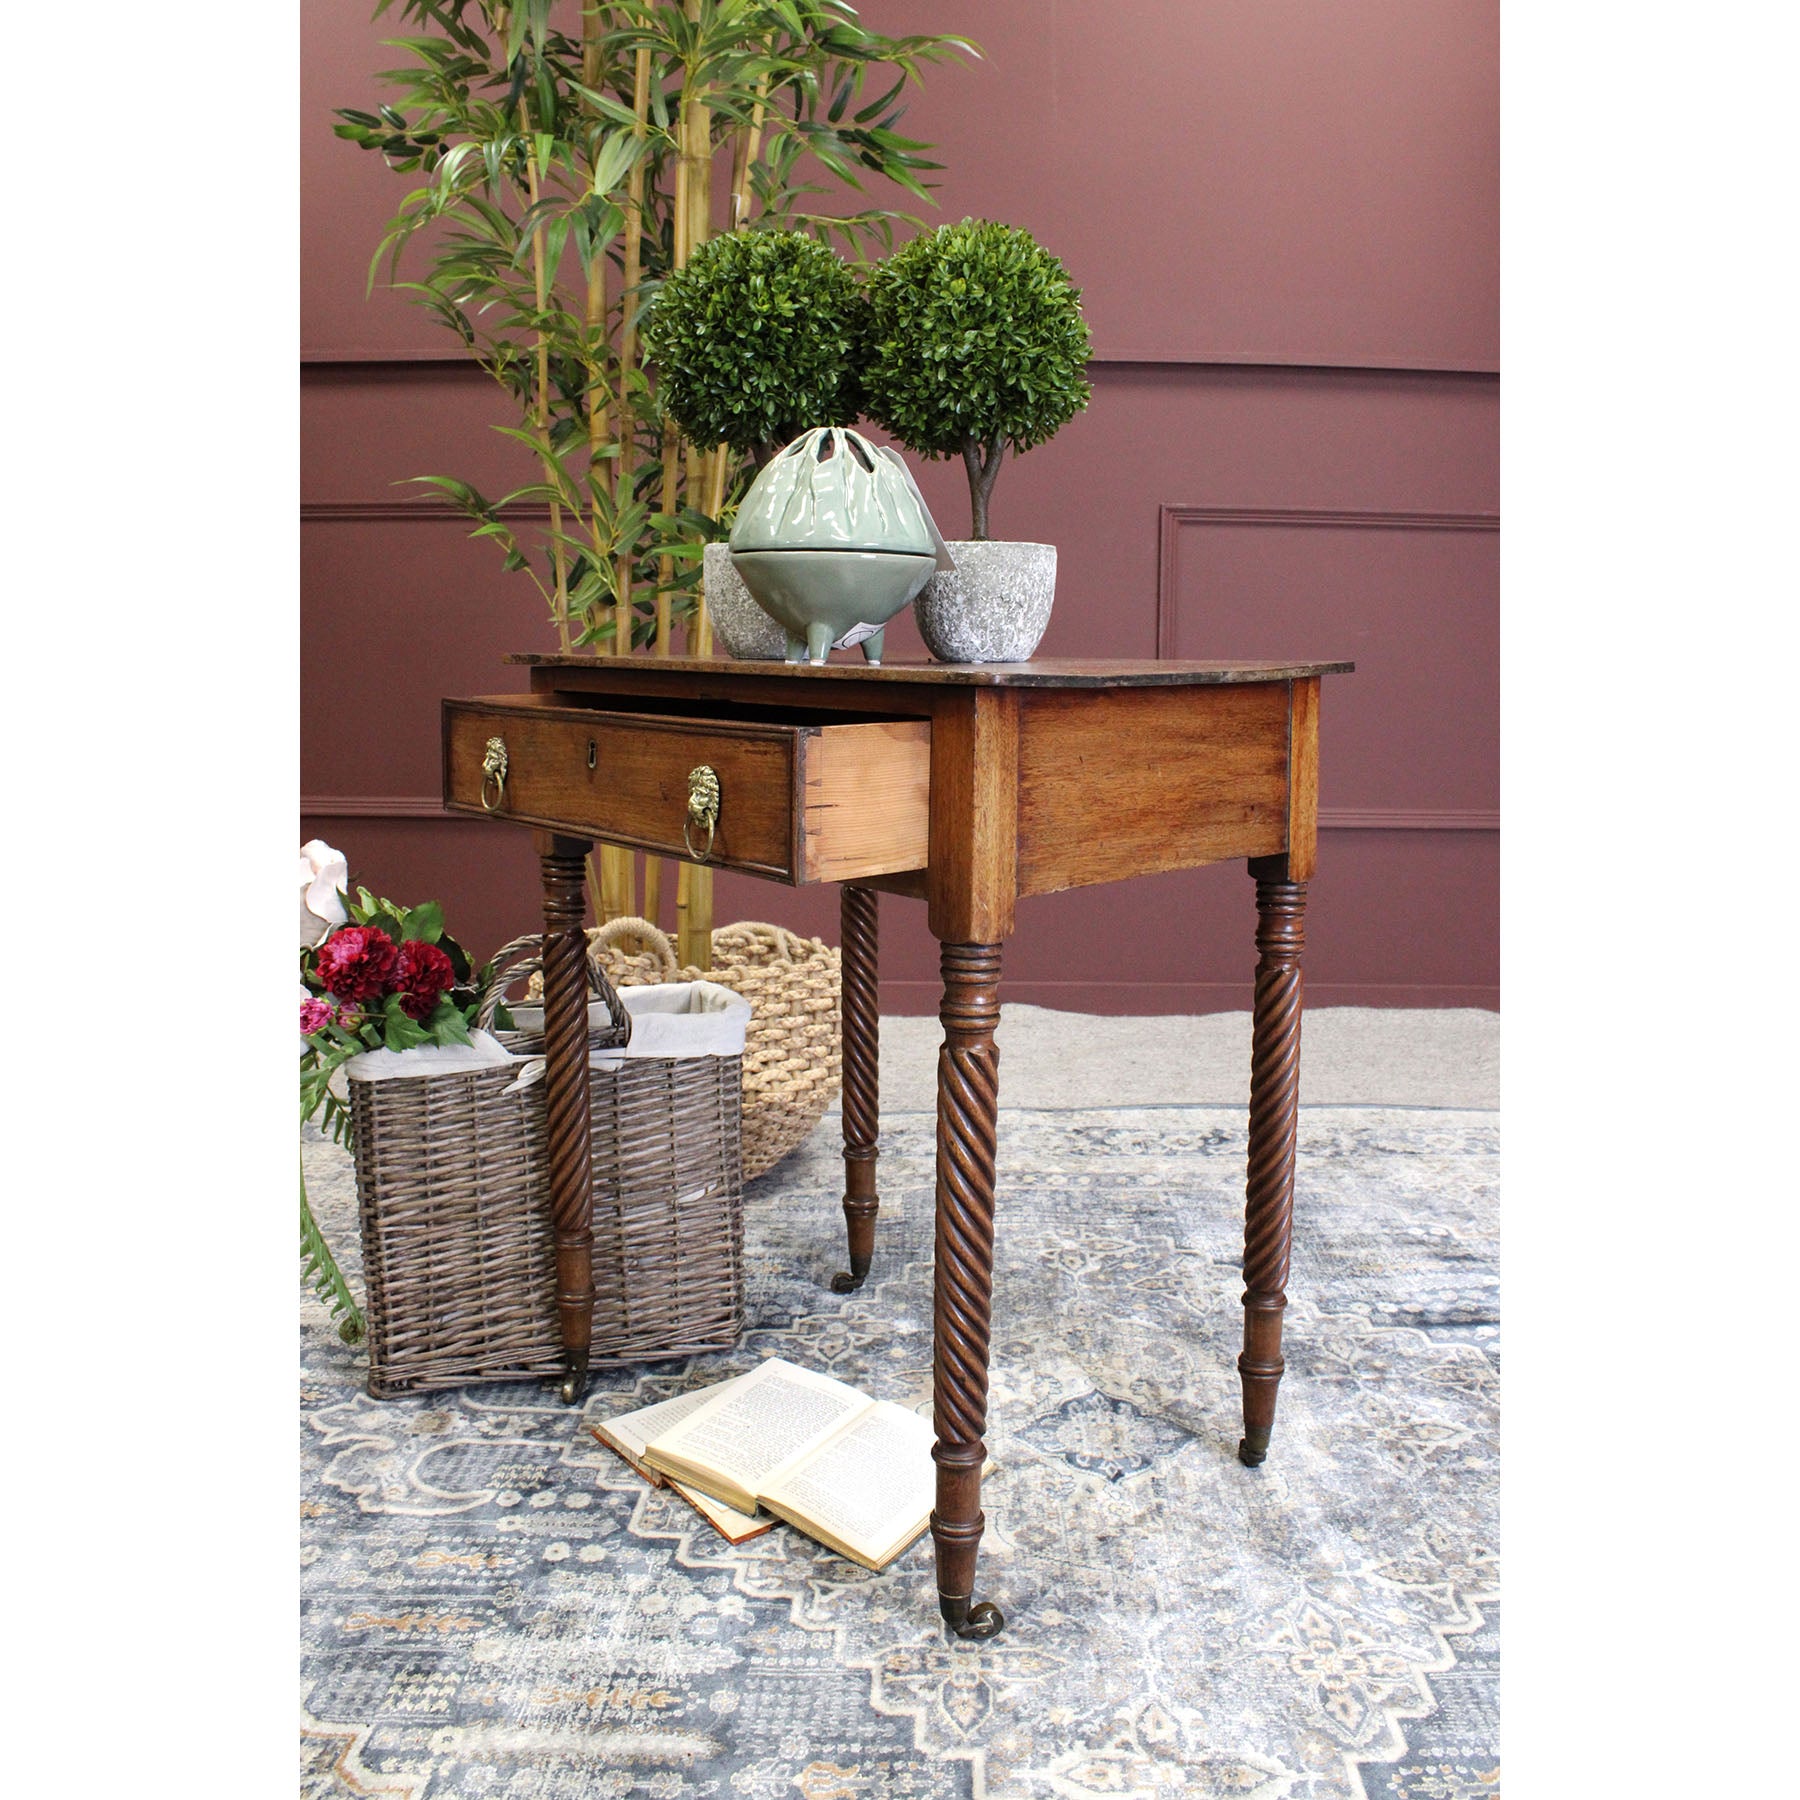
372 1027
424 922
531 172
976 342
319 1269
755 340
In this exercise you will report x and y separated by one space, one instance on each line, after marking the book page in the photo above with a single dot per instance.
868 1491
631 1431
749 1433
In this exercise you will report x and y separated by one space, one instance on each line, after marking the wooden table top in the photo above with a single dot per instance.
1045 672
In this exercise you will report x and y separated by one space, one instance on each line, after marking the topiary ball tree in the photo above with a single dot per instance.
975 341
756 340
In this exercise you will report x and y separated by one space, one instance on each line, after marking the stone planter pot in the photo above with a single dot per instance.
739 624
993 607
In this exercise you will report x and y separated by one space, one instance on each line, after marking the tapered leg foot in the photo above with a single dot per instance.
575 1379
1253 1446
968 1105
1274 1123
862 1061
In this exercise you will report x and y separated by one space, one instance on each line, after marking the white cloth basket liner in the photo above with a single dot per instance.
681 1018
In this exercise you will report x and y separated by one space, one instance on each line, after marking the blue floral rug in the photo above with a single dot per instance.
493 1605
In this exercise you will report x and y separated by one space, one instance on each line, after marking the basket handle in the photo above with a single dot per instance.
652 937
523 957
749 930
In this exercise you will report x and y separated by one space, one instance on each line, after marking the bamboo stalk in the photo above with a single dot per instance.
665 565
599 393
671 444
694 886
693 916
681 216
612 889
618 884
695 483
695 922
540 277
697 155
744 160
718 463
633 275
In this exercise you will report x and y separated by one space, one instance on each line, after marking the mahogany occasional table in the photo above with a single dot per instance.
967 786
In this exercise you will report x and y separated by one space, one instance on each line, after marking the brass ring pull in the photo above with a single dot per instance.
702 810
493 774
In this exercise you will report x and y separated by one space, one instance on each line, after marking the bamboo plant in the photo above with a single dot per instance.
570 156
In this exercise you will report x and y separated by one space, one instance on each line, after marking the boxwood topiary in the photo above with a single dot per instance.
756 340
975 341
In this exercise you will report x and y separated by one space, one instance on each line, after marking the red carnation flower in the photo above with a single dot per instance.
358 963
424 973
315 1015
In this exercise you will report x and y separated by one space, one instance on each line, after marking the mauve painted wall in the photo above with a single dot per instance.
1284 222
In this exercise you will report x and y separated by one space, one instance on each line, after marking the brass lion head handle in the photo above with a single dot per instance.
702 811
493 775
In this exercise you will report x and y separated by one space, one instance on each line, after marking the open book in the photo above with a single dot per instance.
630 1433
854 1473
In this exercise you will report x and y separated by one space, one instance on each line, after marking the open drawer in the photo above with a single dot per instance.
802 799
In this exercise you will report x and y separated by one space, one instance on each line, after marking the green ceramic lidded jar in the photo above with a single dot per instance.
832 540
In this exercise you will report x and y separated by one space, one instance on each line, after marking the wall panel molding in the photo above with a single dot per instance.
1135 999
373 360
1416 818
375 806
1346 818
1170 520
427 509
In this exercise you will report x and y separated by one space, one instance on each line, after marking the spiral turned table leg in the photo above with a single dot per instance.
968 1101
862 1047
566 1108
1274 1118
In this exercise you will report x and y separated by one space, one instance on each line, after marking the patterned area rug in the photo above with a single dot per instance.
493 1605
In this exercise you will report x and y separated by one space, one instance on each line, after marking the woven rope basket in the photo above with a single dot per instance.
793 1058
459 1254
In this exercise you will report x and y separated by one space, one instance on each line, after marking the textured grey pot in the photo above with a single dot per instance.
746 631
995 605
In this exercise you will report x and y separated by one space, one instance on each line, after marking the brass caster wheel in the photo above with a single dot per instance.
849 1282
978 1622
575 1380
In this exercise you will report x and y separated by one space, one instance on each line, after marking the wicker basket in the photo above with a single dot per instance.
793 1055
522 960
459 1257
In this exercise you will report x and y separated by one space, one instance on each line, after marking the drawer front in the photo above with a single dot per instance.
799 802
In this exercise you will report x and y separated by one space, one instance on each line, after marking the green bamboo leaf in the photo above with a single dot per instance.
618 154
605 106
